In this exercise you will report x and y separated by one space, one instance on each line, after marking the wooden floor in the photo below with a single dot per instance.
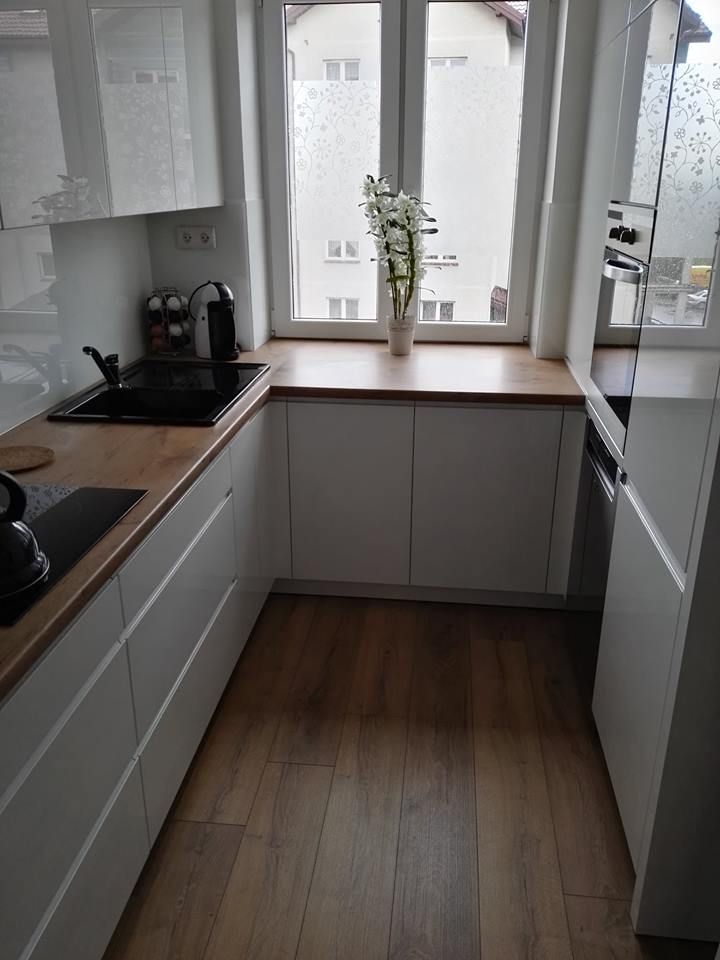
396 780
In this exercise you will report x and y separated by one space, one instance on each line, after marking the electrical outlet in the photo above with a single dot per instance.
195 238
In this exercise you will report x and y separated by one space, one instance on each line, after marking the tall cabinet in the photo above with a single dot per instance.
655 699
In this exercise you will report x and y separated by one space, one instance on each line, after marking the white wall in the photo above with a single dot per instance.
103 276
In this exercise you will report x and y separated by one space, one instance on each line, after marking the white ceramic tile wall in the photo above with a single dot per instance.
61 287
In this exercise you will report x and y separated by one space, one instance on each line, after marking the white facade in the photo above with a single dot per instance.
474 85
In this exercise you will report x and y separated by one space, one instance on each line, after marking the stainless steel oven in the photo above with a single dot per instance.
623 284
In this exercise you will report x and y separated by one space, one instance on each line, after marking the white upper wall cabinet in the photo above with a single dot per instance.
109 109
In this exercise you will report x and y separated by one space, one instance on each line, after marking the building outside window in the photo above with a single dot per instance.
433 311
342 69
343 308
343 250
462 114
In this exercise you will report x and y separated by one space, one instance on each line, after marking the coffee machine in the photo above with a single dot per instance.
215 330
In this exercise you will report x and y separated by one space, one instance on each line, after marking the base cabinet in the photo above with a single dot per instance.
483 493
636 646
102 881
350 491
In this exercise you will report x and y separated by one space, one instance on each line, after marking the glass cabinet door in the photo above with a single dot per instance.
133 81
647 82
50 170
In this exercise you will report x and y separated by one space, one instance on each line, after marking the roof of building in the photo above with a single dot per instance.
23 24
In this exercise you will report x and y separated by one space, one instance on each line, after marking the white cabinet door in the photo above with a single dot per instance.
350 489
245 456
638 635
483 492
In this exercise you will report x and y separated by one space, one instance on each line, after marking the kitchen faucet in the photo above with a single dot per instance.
109 367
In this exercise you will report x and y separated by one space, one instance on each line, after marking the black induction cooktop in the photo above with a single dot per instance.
67 522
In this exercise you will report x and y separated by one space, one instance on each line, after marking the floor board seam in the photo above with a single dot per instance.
475 784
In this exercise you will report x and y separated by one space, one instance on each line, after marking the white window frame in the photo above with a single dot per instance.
44 275
343 68
404 28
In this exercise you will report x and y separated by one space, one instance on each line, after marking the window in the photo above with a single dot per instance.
343 308
46 263
343 250
451 62
441 260
460 127
434 310
155 76
342 69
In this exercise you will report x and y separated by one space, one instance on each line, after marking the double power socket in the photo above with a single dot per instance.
195 238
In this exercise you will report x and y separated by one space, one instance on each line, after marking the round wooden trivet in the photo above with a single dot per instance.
17 459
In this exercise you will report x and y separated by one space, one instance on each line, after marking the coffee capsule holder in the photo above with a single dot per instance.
169 327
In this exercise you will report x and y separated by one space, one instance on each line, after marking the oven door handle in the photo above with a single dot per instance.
623 272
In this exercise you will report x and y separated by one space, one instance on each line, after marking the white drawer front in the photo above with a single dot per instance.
84 919
153 560
168 631
166 756
32 710
44 824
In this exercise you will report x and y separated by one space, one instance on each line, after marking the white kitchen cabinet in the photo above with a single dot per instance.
167 632
167 751
92 900
483 493
46 817
636 647
350 491
245 456
118 97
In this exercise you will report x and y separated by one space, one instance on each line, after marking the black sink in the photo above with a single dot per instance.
166 392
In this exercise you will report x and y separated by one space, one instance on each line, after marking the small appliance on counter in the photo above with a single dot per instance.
168 321
215 331
45 530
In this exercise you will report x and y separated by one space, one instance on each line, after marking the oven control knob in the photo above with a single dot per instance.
627 235
615 233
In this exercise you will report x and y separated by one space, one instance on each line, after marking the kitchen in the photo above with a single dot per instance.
312 646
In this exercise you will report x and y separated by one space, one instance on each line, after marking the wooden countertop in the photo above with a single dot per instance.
434 371
167 460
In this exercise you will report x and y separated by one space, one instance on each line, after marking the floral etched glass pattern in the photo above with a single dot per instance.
333 115
688 218
472 133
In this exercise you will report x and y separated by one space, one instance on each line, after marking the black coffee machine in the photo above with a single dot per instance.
215 330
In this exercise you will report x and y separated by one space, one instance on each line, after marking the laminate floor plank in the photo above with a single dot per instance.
224 777
522 910
594 859
312 721
350 904
383 671
173 907
262 911
435 907
602 930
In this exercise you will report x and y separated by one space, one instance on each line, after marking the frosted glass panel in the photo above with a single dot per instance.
689 200
333 64
31 142
178 101
133 81
472 129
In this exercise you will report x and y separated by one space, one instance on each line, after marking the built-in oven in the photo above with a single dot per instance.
594 522
623 284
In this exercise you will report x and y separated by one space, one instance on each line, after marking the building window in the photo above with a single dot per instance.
478 178
343 308
437 310
449 62
343 250
155 76
440 260
342 69
46 263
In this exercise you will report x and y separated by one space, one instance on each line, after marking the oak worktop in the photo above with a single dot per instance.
166 460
